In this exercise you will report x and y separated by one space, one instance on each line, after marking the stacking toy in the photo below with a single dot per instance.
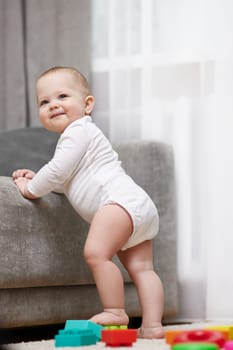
201 336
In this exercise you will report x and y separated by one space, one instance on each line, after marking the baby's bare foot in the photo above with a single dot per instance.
111 317
151 332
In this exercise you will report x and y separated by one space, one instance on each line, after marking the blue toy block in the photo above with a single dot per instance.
84 324
78 333
75 338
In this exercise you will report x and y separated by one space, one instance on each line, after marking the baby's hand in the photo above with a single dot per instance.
28 174
21 183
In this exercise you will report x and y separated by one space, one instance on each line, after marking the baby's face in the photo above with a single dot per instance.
61 100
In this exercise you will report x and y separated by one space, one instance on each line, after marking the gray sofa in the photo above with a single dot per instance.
43 276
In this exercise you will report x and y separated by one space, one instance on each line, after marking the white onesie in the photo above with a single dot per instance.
89 173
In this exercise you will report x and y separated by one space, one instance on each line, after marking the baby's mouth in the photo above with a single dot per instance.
55 115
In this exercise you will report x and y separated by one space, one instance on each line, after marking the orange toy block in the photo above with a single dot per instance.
171 334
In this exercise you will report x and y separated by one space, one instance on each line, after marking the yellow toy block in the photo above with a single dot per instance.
227 329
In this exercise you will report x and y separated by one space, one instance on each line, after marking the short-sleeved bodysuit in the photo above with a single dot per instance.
89 173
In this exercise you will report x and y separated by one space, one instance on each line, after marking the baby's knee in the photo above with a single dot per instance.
92 256
137 267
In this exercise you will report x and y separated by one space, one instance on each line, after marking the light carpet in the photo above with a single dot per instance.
141 344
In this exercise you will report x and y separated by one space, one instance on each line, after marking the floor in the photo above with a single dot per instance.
17 335
27 334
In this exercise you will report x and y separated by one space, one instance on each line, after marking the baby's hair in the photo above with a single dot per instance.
77 75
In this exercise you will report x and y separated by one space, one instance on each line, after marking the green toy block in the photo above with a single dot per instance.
112 327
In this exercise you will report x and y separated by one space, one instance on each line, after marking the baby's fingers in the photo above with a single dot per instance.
21 173
18 173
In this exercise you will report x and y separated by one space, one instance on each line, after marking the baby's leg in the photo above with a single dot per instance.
138 261
111 227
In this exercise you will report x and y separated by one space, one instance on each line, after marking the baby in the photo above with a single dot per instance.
123 219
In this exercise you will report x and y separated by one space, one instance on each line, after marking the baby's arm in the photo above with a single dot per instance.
21 177
68 154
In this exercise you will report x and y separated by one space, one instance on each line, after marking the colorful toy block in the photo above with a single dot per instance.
119 337
201 336
78 333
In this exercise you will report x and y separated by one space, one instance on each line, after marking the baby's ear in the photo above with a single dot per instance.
89 104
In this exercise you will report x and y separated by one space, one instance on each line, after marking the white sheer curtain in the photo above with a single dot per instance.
162 70
219 114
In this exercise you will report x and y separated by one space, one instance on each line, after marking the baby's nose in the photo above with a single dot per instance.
54 104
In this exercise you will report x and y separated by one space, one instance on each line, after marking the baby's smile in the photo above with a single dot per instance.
55 115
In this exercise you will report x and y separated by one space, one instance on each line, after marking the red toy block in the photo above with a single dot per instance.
119 337
203 336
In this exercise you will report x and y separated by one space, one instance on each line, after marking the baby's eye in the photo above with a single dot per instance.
43 102
62 96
